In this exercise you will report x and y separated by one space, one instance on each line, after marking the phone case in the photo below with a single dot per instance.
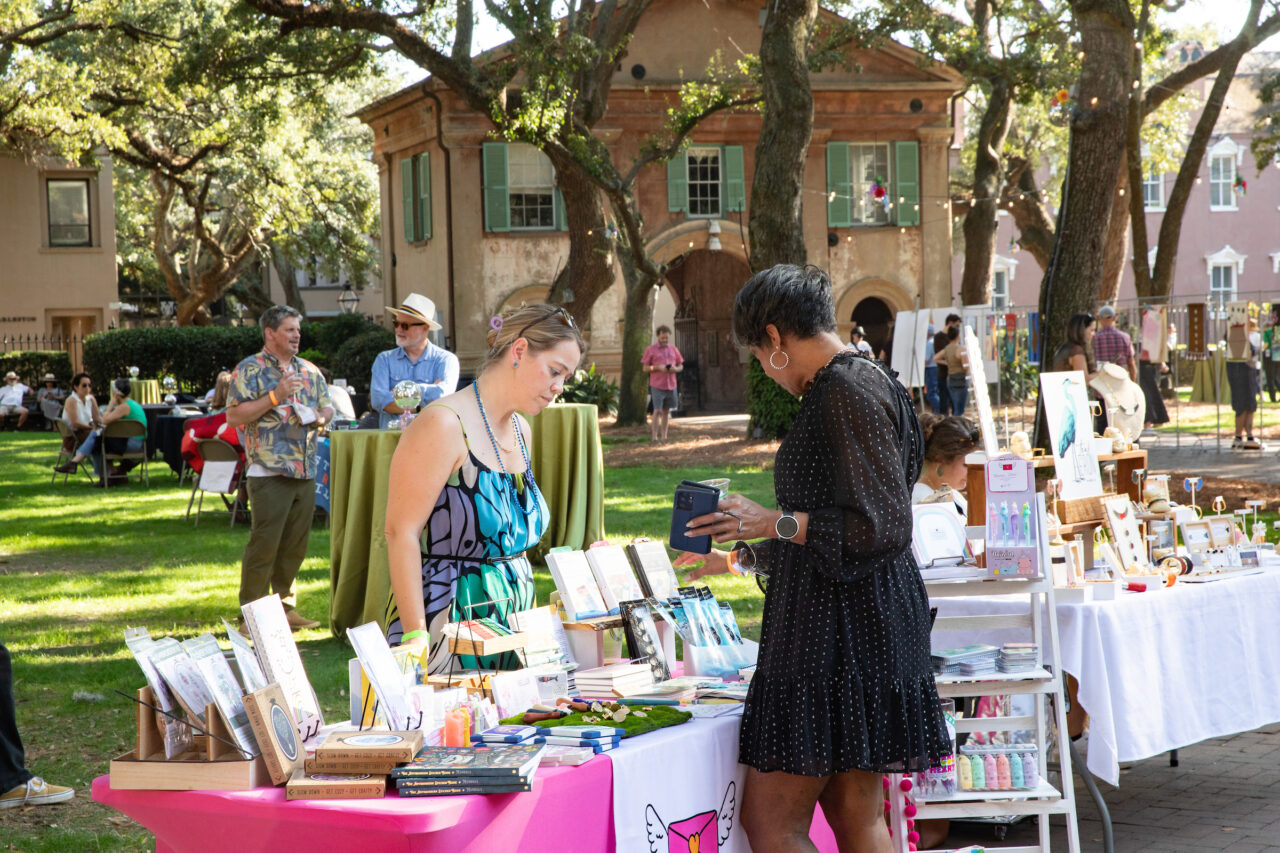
692 500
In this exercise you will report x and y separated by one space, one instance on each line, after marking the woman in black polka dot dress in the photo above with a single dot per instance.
844 689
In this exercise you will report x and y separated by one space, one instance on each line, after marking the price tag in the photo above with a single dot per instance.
1008 474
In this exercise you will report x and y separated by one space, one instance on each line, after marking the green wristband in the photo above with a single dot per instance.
413 635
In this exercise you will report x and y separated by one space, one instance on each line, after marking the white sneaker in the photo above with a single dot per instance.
36 792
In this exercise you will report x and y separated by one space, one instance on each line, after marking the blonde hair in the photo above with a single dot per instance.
220 388
542 325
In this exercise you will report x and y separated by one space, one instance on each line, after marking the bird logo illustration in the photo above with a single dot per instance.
703 833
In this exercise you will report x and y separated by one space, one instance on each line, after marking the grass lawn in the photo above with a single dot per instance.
79 565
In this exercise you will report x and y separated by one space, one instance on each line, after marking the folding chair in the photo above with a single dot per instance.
125 429
64 455
217 450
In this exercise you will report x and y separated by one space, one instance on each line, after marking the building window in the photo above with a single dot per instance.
1222 177
531 188
415 193
1222 284
702 166
999 290
68 201
1153 191
871 184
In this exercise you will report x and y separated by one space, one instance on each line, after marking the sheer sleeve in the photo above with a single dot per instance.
869 522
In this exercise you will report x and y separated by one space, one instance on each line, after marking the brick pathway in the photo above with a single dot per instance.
1224 795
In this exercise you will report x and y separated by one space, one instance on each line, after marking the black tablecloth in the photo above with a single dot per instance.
168 439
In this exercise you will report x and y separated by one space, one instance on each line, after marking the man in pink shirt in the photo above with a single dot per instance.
662 361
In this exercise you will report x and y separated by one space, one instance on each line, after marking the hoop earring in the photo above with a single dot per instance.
784 364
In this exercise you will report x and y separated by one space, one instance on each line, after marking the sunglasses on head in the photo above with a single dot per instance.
406 326
559 312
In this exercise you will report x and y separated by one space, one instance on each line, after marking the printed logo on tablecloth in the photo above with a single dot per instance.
702 833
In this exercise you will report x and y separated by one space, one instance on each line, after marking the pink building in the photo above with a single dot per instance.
1229 246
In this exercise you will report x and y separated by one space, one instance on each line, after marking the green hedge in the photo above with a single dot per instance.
30 365
772 409
194 354
354 359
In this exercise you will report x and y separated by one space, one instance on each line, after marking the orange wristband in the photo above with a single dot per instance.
272 395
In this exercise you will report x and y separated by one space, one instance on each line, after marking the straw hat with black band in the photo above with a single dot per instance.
417 307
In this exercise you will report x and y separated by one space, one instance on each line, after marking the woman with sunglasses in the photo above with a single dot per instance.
947 441
461 473
80 413
843 690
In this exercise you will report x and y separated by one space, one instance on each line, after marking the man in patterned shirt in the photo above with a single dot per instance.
281 401
1112 346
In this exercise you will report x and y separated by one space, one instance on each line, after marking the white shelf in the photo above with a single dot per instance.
1038 680
1039 673
1042 791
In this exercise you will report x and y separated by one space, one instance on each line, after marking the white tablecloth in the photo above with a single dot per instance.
1163 669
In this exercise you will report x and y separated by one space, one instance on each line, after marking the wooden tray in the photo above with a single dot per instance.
464 645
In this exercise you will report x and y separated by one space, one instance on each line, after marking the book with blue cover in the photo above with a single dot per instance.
589 732
506 734
575 741
454 787
480 760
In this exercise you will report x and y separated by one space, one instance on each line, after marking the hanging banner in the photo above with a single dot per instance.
1033 337
1010 338
1197 349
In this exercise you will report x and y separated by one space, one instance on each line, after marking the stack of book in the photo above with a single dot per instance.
725 691
673 691
1017 657
596 738
978 659
508 734
376 752
489 769
619 679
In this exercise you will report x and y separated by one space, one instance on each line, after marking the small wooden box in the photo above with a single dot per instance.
218 767
464 645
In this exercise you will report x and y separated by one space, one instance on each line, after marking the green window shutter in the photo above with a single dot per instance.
407 200
839 192
497 209
906 173
424 195
735 194
562 223
678 183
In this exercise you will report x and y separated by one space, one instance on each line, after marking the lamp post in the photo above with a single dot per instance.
349 300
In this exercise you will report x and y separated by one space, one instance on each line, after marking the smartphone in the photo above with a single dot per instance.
692 500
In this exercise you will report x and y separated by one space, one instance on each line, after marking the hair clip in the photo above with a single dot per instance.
495 323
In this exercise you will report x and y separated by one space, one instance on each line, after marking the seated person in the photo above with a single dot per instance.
947 440
80 413
11 394
50 391
120 408
217 398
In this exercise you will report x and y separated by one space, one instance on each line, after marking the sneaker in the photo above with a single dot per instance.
1251 443
35 792
1237 443
298 622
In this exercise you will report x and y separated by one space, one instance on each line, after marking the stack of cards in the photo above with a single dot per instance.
978 659
596 738
1017 657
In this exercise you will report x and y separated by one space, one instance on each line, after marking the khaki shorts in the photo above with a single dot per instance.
5 411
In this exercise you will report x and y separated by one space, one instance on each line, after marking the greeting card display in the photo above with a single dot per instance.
1015 519
1123 523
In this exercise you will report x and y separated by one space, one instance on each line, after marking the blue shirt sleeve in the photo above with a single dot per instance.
447 370
380 385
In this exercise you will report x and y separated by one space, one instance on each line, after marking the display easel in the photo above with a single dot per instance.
587 637
1043 682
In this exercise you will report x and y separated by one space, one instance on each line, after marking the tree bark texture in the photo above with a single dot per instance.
589 270
1176 207
786 127
1035 225
988 177
633 391
1071 283
1117 238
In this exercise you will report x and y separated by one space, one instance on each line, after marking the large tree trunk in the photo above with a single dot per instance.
980 220
1117 247
1035 226
589 271
1071 283
1176 208
637 321
777 233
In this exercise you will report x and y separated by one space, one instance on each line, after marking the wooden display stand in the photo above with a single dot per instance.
1126 464
211 766
490 646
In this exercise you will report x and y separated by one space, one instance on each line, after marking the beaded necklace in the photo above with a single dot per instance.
524 452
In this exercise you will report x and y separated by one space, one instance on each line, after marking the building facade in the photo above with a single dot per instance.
57 250
476 223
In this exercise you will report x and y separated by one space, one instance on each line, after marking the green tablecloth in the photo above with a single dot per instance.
1202 383
567 464
146 391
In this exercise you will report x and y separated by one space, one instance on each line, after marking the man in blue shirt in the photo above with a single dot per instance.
434 368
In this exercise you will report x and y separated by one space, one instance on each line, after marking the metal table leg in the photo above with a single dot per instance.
1108 840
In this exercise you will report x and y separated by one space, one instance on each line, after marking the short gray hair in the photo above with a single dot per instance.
277 314
795 299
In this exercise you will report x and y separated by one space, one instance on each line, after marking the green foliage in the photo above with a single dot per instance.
354 359
591 386
191 354
30 365
772 409
331 333
1019 380
315 356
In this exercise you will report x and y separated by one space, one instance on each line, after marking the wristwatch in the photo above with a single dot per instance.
787 527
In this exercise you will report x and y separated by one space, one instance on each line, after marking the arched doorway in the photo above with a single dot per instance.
876 318
704 284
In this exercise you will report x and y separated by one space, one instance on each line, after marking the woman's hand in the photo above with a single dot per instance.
736 517
715 563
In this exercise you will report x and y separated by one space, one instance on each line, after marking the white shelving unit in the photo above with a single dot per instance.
1043 683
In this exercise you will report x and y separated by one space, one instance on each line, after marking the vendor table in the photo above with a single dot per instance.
1211 375
1163 669
567 464
1126 464
569 808
168 439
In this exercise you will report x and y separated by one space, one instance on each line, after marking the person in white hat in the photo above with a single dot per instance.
11 394
434 368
